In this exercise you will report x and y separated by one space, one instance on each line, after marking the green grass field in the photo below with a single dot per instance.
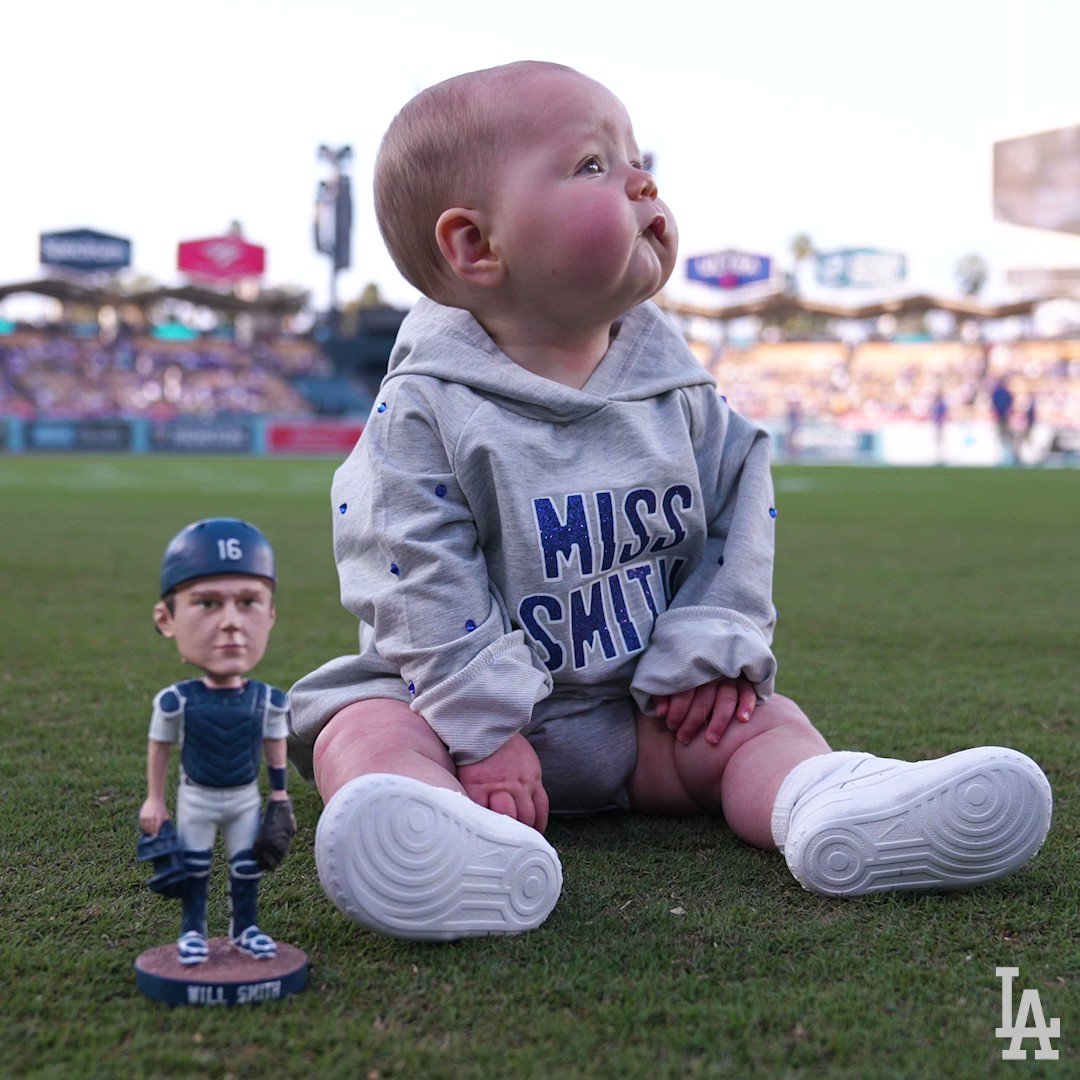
920 612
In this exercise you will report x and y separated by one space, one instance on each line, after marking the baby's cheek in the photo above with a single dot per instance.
594 243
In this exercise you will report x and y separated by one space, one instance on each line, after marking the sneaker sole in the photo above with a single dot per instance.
413 861
973 817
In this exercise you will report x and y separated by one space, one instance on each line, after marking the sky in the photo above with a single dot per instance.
859 123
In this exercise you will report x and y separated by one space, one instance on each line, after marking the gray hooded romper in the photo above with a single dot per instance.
527 557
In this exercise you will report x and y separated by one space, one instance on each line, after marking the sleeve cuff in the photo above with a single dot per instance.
492 698
694 645
319 696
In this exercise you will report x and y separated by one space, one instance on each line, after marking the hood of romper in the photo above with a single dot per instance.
647 357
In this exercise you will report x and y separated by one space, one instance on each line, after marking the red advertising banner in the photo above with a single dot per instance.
221 257
312 437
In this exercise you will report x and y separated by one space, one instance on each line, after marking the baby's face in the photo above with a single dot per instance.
575 217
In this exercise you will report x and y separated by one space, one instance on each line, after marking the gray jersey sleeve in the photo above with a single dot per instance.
276 720
720 621
411 569
167 715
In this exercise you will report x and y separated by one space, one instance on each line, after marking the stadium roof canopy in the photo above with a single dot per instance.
269 302
57 288
781 305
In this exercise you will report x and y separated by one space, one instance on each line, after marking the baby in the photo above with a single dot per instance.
558 539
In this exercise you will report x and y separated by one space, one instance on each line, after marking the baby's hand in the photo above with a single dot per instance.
717 702
509 782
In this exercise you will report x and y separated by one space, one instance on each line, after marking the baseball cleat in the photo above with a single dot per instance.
413 861
191 948
255 943
875 825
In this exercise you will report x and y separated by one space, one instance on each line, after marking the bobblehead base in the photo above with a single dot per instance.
227 977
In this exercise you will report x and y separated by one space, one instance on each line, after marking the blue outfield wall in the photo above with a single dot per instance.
241 435
187 435
262 435
811 442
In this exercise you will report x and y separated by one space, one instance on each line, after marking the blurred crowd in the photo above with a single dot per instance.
882 382
52 373
55 373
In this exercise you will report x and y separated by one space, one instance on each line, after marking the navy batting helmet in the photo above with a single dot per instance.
216 546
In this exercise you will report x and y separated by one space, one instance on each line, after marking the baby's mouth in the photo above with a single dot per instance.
658 226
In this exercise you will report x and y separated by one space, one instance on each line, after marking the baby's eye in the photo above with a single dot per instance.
591 166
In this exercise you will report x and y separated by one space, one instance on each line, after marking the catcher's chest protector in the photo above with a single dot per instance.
222 733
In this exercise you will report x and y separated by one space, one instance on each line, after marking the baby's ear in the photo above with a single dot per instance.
463 240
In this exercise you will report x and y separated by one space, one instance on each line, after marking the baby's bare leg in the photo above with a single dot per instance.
403 850
738 777
380 736
851 823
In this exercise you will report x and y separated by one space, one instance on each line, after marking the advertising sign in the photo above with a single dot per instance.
1048 280
85 249
96 435
1066 441
1037 180
860 267
223 258
312 437
201 437
829 442
729 269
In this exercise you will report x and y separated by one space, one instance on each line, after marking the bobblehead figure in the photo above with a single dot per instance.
217 604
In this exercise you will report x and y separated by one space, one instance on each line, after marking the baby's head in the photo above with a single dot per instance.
474 141
438 152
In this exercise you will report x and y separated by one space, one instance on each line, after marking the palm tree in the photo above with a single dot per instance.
802 248
971 272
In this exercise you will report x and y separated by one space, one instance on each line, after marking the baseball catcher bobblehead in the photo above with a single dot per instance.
217 604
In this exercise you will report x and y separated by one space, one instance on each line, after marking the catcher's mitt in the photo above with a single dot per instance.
276 830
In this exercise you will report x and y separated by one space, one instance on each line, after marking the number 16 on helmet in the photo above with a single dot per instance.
216 546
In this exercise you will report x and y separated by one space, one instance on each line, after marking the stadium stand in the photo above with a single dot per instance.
64 371
884 381
53 373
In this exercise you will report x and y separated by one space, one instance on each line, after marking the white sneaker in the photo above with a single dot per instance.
872 824
403 858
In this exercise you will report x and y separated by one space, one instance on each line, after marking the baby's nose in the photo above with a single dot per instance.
641 185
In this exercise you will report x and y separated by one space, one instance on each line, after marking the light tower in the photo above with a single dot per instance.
333 220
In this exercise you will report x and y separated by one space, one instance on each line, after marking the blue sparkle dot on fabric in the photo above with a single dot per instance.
412 689
440 490
723 397
382 407
772 511
470 626
343 507
394 568
720 561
